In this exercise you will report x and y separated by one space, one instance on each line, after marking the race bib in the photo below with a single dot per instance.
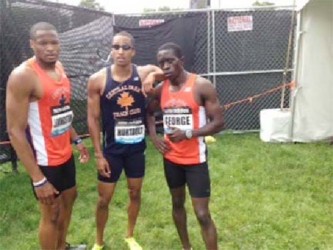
129 132
180 118
62 118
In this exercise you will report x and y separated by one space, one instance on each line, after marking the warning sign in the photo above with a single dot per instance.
240 23
150 22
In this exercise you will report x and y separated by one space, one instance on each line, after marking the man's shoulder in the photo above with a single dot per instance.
204 87
201 80
97 80
23 79
23 70
98 75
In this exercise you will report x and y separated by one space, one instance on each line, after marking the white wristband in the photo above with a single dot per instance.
40 183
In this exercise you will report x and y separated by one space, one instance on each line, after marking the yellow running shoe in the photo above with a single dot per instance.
97 247
132 244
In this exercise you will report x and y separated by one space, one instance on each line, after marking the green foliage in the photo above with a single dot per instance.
91 4
264 196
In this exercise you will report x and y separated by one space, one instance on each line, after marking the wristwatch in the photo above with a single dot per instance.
77 141
188 134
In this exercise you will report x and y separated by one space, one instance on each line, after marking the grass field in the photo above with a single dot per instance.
264 196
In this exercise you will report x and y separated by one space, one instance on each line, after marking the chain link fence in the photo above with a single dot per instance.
81 31
245 63
243 53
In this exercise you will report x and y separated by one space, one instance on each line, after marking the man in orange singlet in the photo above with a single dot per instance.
191 111
39 122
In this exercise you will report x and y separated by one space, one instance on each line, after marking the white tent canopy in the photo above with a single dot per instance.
310 117
312 100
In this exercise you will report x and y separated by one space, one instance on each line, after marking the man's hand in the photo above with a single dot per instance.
148 84
176 135
46 194
103 167
160 144
84 153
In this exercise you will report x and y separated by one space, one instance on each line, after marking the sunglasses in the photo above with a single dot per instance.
124 47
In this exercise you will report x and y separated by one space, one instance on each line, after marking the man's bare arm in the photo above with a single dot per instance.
20 87
94 113
95 88
84 153
153 106
150 74
214 111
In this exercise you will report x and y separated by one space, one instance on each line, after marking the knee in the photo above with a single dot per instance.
178 204
134 194
103 203
52 218
203 217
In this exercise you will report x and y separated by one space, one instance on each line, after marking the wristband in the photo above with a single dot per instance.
40 183
77 141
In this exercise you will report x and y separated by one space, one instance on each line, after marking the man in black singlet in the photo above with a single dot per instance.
115 96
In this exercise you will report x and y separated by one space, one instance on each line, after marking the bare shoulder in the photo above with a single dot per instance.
22 74
204 85
97 80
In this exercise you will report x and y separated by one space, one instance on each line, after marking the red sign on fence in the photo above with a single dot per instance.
240 23
150 22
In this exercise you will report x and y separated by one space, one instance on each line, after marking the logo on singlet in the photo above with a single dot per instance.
126 100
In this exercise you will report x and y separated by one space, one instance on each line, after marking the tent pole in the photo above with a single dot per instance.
295 75
284 78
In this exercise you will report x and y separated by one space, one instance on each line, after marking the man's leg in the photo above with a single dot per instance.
179 215
208 229
176 179
67 199
105 193
48 226
134 191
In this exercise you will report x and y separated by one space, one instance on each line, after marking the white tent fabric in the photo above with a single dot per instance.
312 103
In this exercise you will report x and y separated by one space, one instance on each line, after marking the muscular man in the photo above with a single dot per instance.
115 94
191 111
39 121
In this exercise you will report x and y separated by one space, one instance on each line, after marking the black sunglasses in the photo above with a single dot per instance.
124 47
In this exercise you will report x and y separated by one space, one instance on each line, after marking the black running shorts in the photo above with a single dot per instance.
62 177
133 165
195 176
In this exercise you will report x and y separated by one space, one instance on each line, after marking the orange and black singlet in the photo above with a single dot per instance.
50 118
182 111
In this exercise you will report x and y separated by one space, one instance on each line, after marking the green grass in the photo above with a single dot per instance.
264 196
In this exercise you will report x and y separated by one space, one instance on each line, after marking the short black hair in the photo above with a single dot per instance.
174 47
126 34
40 26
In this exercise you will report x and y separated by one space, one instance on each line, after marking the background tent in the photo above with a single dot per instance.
312 101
